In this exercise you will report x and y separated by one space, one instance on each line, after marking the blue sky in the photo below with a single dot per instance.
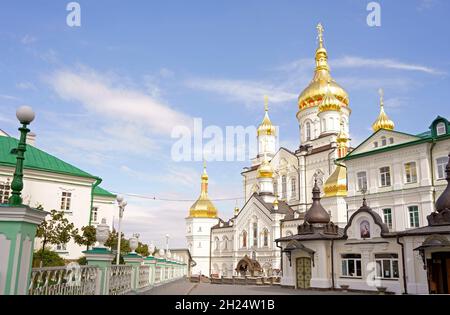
108 93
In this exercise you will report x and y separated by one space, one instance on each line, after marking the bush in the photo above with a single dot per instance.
82 260
49 259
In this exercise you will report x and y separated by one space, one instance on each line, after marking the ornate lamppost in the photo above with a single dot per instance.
122 203
25 115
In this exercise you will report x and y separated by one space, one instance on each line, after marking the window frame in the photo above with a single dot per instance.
358 178
441 163
390 223
380 266
416 215
345 260
386 176
5 191
66 201
308 131
413 172
441 129
293 187
284 187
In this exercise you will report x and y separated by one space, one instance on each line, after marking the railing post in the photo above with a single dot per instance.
150 261
18 226
134 260
101 258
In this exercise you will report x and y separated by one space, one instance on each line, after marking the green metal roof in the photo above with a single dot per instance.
99 191
37 159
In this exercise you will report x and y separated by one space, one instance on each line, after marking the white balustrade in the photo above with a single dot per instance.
65 280
120 279
144 277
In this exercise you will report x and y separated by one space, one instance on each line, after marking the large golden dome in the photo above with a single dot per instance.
314 93
203 207
383 121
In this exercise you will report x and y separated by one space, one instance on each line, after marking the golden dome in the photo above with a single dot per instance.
266 127
383 121
265 170
203 207
318 87
336 184
330 101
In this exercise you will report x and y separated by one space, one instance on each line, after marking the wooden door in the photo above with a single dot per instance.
303 272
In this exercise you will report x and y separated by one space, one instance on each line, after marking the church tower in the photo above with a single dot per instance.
202 216
322 103
266 134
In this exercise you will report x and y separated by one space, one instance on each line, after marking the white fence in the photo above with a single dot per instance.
112 280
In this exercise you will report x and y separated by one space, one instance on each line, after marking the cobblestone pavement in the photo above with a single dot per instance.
184 287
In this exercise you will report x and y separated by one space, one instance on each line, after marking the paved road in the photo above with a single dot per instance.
184 287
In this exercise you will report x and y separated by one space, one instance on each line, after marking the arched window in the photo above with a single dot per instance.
225 243
283 187
244 239
216 243
324 125
255 234
308 131
266 237
383 141
331 123
293 187
275 187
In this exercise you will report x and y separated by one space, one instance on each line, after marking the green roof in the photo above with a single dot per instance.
36 159
99 191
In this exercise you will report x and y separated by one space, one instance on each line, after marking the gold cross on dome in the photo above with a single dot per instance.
381 92
266 103
320 31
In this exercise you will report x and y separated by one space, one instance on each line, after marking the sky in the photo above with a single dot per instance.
109 93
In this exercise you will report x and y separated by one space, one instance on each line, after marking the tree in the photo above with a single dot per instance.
111 242
87 236
56 230
48 258
142 249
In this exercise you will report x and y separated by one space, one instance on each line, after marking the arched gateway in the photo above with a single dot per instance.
248 266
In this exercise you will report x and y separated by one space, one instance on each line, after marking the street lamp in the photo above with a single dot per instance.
167 242
122 203
25 115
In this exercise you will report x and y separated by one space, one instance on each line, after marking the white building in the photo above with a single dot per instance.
55 184
400 173
365 255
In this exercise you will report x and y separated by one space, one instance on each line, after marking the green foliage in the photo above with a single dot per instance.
111 242
87 236
49 258
142 249
82 260
56 230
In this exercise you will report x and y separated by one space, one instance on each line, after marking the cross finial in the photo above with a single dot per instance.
266 103
320 31
381 92
204 164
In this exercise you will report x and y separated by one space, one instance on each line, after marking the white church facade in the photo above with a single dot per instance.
399 175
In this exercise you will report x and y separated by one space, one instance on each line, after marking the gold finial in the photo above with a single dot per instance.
383 121
204 164
266 103
320 31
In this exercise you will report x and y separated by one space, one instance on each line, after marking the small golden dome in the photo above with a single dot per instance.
266 127
203 207
336 184
314 93
383 121
265 170
330 101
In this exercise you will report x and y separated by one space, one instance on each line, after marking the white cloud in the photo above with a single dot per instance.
28 39
248 92
26 86
110 100
9 97
358 62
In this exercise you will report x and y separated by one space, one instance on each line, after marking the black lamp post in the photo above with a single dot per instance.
25 115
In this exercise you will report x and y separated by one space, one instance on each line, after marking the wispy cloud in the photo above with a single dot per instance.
248 92
26 86
100 95
348 62
28 39
358 62
9 97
